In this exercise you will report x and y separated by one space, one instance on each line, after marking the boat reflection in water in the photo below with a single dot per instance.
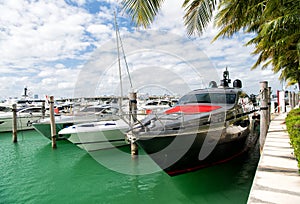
206 127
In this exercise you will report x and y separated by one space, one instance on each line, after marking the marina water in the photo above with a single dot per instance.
32 172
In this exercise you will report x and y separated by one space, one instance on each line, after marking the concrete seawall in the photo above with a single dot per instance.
277 179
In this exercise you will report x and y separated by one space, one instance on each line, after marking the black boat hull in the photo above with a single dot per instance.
184 153
206 127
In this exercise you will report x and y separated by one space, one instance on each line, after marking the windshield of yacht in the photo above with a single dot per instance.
221 98
104 110
5 109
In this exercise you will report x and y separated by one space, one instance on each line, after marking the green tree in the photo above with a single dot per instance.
198 13
275 23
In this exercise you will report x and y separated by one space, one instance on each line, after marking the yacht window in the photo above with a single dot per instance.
221 98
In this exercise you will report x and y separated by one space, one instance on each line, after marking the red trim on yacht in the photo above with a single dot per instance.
192 109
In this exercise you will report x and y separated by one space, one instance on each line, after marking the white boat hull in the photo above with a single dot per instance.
25 118
98 135
23 123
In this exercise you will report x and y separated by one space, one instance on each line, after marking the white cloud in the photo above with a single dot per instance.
223 52
34 33
44 44
79 2
170 18
43 30
98 29
59 66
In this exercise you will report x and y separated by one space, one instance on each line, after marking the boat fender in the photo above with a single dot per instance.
56 110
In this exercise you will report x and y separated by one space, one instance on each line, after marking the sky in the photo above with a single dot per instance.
68 48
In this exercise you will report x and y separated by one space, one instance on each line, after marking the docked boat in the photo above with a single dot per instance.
5 109
107 132
95 136
206 127
87 114
25 118
153 105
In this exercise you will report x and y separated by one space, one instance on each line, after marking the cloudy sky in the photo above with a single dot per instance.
68 48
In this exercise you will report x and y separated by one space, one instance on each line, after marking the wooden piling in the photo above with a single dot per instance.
52 122
269 106
133 107
293 100
278 102
263 113
14 124
43 110
133 118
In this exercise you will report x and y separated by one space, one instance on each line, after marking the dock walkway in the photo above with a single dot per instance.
277 179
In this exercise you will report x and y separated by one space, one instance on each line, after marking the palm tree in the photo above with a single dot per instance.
291 76
276 24
234 15
198 13
278 38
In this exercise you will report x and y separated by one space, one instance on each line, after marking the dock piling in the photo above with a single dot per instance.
293 104
14 124
263 113
43 110
133 118
52 122
269 105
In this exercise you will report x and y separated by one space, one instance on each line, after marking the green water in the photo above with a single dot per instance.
31 172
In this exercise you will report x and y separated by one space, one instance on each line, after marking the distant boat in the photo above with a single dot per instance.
154 105
206 127
87 114
25 118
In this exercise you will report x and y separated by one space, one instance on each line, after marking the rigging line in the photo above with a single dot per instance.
122 47
124 56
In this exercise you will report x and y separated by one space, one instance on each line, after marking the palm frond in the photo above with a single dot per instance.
142 12
234 15
198 15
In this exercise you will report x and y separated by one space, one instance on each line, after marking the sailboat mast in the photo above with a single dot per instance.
119 61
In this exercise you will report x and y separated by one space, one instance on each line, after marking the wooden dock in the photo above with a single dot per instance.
277 179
